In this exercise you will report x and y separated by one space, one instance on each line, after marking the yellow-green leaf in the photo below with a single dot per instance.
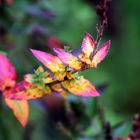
20 110
80 87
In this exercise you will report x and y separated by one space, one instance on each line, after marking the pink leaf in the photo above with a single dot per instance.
7 72
68 59
26 91
88 45
101 53
51 62
20 110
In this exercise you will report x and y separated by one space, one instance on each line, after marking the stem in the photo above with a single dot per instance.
101 9
99 36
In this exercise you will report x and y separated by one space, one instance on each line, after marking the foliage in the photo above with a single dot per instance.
7 82
64 74
43 25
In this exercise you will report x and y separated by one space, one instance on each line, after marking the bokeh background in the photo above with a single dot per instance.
42 24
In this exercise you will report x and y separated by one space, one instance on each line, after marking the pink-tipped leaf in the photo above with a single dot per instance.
87 47
51 62
101 53
68 59
80 87
26 91
7 72
20 110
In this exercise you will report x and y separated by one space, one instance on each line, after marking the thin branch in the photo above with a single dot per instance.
101 10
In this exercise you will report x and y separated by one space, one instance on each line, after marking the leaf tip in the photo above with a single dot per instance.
20 109
108 43
34 52
57 50
87 35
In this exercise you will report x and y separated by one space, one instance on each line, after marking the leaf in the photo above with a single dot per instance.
64 94
80 87
57 88
101 53
48 80
40 77
68 59
7 72
26 91
39 69
51 62
87 47
20 110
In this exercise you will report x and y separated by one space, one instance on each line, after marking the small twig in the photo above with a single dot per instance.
100 30
101 9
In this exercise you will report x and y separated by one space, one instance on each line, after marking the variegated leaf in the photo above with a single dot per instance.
7 73
87 47
80 87
51 62
101 53
57 88
68 59
26 91
20 110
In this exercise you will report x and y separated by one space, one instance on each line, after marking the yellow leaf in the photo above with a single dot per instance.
58 88
68 59
7 73
20 110
101 53
80 87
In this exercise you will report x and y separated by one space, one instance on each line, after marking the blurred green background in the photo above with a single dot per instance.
31 24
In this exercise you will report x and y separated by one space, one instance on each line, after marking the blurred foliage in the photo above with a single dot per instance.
28 24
